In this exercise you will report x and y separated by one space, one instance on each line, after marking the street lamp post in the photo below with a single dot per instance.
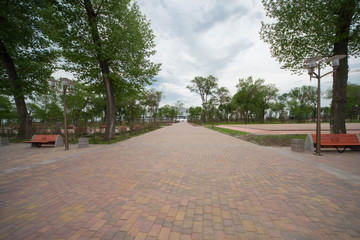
65 83
312 63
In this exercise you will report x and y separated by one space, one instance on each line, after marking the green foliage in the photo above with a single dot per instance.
8 112
178 107
302 102
227 131
253 98
309 27
168 112
152 101
47 108
353 101
30 51
125 41
194 113
204 86
223 98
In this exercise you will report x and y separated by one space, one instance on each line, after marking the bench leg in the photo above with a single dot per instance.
36 145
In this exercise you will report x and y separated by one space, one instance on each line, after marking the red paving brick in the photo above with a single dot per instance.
179 182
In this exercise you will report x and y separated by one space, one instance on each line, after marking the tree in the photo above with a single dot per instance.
279 107
178 107
47 108
248 97
266 93
107 44
26 56
168 112
315 27
302 102
194 113
223 97
153 99
353 100
7 110
204 87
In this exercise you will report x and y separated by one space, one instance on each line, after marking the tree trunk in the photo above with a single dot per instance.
105 70
203 114
340 77
24 128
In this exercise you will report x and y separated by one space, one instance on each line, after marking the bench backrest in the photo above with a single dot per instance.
337 139
44 138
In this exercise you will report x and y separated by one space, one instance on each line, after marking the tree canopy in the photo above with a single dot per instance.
311 28
27 56
107 44
204 86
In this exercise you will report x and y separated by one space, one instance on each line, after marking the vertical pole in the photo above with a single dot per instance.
318 126
65 122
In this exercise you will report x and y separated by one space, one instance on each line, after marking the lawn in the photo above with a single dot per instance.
264 140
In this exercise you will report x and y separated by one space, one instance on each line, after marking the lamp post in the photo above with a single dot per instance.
312 63
65 83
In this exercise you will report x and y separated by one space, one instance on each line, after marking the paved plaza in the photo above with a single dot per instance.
178 182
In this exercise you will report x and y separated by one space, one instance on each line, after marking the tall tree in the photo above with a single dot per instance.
223 98
266 93
204 87
105 43
178 107
7 110
302 102
194 113
315 27
353 100
251 99
153 99
26 58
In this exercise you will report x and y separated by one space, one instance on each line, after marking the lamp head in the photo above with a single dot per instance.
335 60
52 82
309 69
312 62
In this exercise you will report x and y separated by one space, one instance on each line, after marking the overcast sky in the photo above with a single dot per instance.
221 38
203 37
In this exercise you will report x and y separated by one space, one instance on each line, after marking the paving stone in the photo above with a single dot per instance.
179 182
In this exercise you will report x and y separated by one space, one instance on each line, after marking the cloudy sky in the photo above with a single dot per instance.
203 37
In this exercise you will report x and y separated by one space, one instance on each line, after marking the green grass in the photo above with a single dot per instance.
227 131
264 140
277 140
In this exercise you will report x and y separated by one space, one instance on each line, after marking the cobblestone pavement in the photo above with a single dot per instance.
179 182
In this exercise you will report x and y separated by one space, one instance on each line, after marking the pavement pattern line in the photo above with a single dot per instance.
178 182
53 160
321 166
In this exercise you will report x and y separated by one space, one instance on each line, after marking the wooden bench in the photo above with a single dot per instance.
337 141
50 140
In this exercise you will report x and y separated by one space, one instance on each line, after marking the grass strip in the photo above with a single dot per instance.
225 130
263 140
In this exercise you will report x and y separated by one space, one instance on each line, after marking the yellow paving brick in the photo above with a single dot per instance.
174 236
197 226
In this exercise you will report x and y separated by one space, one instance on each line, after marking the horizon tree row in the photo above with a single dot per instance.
258 102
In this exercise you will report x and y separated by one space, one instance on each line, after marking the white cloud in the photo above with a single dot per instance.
203 37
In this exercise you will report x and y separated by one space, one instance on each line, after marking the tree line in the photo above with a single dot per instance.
258 102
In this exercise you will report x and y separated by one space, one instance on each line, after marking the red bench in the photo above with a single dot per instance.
52 140
337 141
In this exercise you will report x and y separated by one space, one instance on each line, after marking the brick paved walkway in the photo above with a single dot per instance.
179 182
